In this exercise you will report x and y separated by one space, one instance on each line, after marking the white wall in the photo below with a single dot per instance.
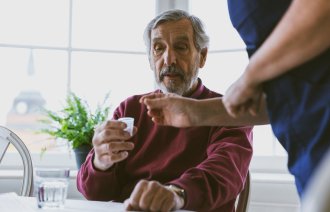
273 193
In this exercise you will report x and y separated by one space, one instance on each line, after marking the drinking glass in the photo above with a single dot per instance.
51 186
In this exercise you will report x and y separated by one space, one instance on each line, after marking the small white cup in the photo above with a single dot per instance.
129 123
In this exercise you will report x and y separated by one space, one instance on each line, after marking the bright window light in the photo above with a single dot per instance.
50 47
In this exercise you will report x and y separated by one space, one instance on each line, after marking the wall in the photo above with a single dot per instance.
273 193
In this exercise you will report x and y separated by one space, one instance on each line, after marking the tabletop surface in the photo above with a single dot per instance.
10 202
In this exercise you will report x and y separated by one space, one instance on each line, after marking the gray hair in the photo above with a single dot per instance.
201 39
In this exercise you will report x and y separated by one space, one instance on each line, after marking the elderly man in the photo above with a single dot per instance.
164 168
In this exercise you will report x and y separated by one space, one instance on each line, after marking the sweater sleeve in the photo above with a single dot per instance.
97 185
221 176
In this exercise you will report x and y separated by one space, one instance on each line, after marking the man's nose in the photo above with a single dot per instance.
169 57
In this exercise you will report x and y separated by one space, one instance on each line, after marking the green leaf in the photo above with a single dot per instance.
75 122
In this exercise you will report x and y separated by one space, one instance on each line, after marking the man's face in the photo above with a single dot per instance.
174 57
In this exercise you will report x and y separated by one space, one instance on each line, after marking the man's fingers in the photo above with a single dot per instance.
135 197
115 134
113 158
113 152
128 206
151 196
111 147
147 197
163 200
117 157
110 124
107 136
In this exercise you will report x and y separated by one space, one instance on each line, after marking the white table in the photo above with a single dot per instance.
13 203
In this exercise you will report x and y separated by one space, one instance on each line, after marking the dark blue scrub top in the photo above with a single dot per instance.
298 102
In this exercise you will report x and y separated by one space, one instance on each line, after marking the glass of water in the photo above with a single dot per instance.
51 186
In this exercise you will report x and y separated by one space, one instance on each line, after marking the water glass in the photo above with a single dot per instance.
51 186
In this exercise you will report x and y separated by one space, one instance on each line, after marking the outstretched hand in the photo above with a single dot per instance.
169 109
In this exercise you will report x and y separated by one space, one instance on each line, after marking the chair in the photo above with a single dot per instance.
8 137
243 199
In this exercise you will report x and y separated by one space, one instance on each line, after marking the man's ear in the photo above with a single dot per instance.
203 55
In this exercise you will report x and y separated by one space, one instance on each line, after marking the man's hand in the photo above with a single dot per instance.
153 196
110 144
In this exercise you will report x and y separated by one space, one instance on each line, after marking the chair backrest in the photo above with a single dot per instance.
244 196
8 137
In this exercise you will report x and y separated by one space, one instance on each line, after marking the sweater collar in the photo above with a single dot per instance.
198 91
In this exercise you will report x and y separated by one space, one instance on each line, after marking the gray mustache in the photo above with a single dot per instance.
171 70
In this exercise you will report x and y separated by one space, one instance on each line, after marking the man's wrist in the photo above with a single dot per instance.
97 165
179 193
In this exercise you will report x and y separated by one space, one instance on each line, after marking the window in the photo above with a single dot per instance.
50 47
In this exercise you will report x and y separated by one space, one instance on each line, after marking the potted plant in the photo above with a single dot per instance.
75 123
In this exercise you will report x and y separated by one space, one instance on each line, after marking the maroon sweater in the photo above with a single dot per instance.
209 163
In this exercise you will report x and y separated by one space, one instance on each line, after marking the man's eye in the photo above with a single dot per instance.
158 49
182 47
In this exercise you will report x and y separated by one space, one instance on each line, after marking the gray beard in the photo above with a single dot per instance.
166 90
181 90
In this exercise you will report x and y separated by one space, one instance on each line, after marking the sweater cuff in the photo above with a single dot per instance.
95 170
193 198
